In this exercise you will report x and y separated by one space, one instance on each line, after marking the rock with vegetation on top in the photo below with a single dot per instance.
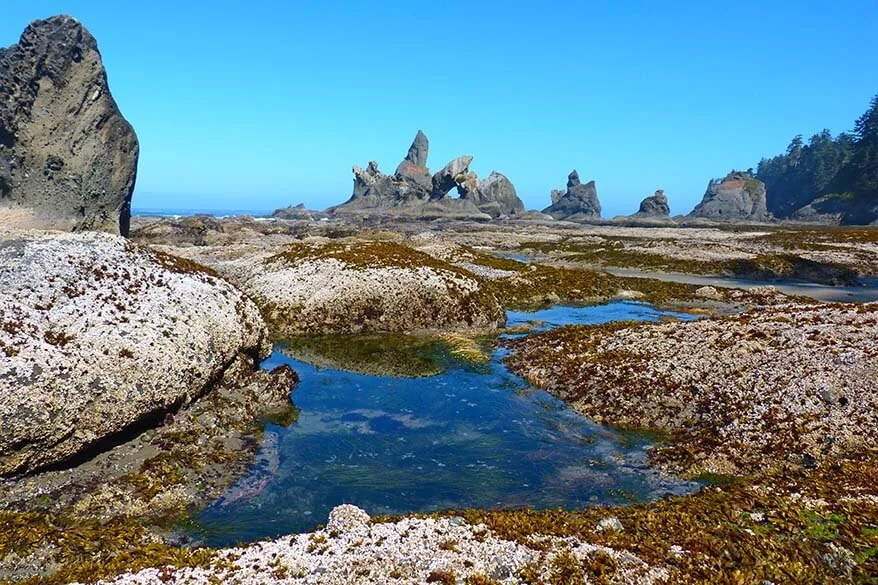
739 196
99 337
68 158
579 201
358 287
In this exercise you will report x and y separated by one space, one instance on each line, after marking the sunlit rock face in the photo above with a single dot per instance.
68 158
98 335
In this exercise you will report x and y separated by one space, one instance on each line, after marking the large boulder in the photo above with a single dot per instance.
360 287
654 206
494 195
68 158
579 201
739 196
99 337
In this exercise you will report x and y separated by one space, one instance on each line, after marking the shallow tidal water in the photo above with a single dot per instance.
469 436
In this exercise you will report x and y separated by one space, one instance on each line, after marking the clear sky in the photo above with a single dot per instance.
257 105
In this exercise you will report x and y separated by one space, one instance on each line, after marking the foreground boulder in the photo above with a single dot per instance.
362 287
99 337
793 383
579 201
68 158
739 196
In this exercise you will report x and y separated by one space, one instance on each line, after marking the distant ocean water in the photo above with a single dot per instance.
172 212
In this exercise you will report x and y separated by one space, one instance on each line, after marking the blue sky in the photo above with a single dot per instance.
256 105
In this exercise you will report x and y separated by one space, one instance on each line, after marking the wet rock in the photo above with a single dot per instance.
579 201
68 158
708 292
99 337
739 196
611 524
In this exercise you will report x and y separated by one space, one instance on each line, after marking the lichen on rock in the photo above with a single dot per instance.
100 337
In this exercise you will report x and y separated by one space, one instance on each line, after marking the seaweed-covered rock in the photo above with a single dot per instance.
360 287
739 196
579 201
99 337
793 383
68 158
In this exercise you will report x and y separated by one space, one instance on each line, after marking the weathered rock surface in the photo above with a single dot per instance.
99 336
414 167
579 201
451 175
494 195
68 159
357 287
412 550
413 193
654 206
793 383
739 196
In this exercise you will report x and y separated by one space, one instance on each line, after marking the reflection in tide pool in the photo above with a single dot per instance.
471 436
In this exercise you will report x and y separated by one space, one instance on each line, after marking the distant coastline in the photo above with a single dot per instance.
183 212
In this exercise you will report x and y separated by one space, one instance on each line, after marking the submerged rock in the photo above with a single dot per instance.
579 201
739 196
100 337
68 158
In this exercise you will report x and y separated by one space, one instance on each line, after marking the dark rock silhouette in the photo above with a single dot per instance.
579 201
654 206
68 159
413 192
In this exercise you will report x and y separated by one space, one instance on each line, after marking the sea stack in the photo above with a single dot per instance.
68 158
654 206
739 196
579 201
